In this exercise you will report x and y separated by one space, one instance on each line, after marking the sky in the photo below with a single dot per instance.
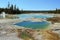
32 4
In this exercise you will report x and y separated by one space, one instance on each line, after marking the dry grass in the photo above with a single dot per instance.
19 31
49 35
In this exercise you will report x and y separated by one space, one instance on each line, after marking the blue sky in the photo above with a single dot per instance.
32 4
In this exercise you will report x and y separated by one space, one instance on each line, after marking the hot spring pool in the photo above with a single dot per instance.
33 25
26 16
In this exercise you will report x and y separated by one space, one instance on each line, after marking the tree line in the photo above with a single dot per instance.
57 11
15 10
10 10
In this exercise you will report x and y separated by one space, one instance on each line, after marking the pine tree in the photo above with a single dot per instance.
15 7
8 4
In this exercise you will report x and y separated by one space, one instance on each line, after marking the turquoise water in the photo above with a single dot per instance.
33 25
25 16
